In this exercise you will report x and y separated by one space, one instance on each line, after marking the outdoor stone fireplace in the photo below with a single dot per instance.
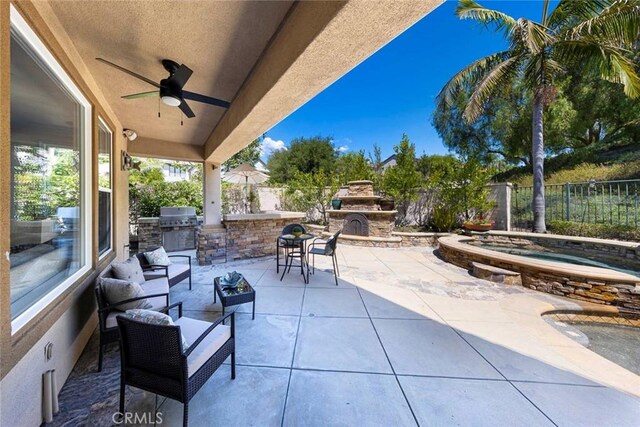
361 219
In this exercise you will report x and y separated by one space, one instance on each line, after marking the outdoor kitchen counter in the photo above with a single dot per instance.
254 235
264 216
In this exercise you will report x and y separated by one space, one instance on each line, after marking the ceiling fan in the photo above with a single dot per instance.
170 89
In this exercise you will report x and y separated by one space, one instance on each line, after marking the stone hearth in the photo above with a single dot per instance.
362 216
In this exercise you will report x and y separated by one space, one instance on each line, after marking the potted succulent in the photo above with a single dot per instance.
479 224
297 231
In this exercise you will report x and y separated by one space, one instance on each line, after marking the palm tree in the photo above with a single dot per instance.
595 35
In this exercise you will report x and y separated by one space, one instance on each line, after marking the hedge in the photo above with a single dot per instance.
603 231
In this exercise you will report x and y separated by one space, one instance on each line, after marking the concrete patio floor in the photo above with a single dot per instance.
404 339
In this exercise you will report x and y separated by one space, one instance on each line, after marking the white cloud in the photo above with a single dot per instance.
342 149
269 146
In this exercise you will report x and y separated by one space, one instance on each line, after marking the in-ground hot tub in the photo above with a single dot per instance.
595 270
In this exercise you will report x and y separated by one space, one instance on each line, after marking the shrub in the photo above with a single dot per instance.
444 218
603 231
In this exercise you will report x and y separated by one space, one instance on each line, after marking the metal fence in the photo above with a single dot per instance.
595 202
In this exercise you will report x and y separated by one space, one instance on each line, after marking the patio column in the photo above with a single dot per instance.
212 189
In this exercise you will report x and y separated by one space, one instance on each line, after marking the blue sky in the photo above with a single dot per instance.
393 91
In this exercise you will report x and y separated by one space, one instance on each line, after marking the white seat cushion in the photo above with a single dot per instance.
192 329
156 286
173 271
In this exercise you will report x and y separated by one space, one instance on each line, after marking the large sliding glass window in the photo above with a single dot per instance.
50 178
104 188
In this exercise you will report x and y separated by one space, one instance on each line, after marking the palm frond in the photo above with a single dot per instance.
469 9
501 74
545 12
532 35
581 10
468 76
612 63
618 24
540 69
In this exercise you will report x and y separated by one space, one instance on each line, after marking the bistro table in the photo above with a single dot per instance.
301 242
241 294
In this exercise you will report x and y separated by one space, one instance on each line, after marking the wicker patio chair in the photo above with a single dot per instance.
176 272
152 357
328 248
107 313
287 245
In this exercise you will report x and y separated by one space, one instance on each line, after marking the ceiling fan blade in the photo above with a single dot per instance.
142 95
186 109
131 73
206 99
181 75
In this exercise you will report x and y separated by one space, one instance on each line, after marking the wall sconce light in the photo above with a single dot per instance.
130 134
127 162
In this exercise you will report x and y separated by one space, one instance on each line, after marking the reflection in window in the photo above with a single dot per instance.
47 142
104 189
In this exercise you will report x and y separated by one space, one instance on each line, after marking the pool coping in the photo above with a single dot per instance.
592 240
458 243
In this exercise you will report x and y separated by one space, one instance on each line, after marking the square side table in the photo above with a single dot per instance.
242 294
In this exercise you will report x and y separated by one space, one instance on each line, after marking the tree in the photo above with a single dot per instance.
353 167
375 160
586 111
594 36
148 191
402 181
306 155
313 190
250 154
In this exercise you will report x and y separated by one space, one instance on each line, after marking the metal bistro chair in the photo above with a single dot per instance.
287 245
327 248
152 357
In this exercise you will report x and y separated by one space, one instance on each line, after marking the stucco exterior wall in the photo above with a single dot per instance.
70 319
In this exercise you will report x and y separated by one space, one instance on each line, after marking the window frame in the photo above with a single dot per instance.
103 124
19 25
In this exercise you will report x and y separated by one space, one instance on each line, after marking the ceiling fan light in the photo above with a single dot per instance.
172 101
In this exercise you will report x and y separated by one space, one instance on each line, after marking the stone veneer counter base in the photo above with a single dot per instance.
254 235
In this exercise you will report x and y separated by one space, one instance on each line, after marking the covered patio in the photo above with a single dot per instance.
66 138
404 339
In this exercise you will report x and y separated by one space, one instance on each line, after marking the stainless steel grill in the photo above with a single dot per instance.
178 228
178 217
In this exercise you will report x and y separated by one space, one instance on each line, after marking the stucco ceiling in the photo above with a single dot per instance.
219 41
